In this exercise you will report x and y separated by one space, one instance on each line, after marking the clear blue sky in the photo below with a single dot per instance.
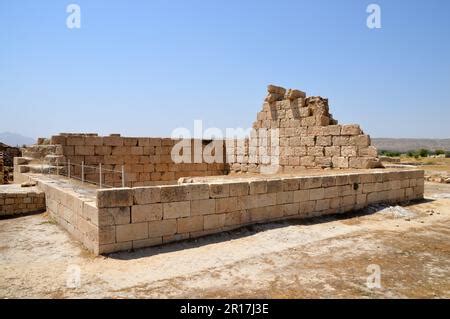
146 67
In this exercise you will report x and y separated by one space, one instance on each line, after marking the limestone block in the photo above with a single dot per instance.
219 190
214 221
174 193
308 141
332 151
341 141
189 224
323 140
276 89
226 205
305 112
307 161
176 209
258 187
117 197
107 234
203 207
162 228
322 120
340 162
75 141
347 151
58 140
131 232
239 189
273 97
130 141
369 151
147 212
360 140
147 195
197 191
323 161
293 94
317 193
334 130
113 216
316 151
113 141
93 140
351 129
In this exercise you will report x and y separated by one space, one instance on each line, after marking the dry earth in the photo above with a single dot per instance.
320 258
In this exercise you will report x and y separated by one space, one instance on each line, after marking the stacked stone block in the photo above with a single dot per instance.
15 200
147 161
309 136
146 216
2 170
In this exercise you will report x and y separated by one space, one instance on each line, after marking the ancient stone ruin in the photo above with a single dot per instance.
2 170
321 168
309 137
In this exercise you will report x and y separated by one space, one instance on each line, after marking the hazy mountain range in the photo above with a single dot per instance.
409 144
14 139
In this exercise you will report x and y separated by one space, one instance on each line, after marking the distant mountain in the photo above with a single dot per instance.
14 139
408 144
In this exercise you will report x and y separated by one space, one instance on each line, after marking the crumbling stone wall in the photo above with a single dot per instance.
147 161
2 170
309 136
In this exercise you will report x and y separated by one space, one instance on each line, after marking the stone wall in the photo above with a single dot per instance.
2 170
309 136
16 200
74 212
147 161
146 216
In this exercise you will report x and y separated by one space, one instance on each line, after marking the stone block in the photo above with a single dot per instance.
189 224
176 209
113 141
147 212
162 228
174 193
197 191
117 197
147 195
239 189
130 232
351 129
215 221
226 205
258 187
113 216
203 207
219 190
347 151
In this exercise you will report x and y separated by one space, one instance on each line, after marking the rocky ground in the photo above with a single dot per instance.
323 258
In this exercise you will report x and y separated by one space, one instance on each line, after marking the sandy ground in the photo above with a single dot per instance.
320 258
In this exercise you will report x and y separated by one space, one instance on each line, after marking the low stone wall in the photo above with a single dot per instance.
146 216
75 212
147 161
16 200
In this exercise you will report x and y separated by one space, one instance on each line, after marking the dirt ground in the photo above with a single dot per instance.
322 258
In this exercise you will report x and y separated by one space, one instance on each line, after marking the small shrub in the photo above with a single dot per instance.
424 152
